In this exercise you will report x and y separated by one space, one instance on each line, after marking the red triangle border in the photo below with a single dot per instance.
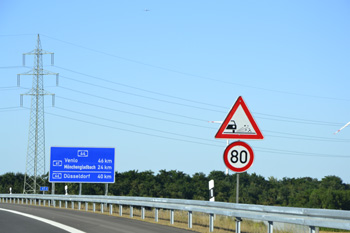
239 102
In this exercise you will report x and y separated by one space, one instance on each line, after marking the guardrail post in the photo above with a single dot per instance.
34 201
211 222
189 219
143 212
72 205
156 214
39 202
66 204
60 204
121 210
79 205
270 227
49 203
171 216
110 209
22 201
86 206
238 225
26 201
131 211
313 229
101 207
31 201
94 207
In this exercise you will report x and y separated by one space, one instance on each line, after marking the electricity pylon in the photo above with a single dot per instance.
35 161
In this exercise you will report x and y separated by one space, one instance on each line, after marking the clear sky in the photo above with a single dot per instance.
146 76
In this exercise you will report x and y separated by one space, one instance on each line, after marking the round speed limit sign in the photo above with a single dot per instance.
238 156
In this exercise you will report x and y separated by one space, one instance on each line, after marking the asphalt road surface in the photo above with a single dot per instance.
71 221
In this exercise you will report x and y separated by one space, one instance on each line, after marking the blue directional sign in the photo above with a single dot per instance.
82 165
44 188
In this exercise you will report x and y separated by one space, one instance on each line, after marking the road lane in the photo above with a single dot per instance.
84 221
10 222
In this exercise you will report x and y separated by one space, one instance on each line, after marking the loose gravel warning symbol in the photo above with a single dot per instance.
239 124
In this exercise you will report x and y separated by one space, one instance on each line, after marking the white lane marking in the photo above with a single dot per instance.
56 224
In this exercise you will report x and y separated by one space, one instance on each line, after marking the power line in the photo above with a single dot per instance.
140 89
260 149
303 137
284 118
194 75
309 136
24 34
131 131
299 136
135 114
133 105
299 153
10 67
142 96
133 125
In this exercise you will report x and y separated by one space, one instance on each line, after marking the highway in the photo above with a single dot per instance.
55 220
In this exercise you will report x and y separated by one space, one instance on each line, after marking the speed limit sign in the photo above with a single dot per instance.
238 156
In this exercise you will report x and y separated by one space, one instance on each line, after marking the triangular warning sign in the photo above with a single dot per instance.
239 124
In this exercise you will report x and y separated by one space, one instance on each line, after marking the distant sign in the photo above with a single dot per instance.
238 156
82 165
239 124
44 188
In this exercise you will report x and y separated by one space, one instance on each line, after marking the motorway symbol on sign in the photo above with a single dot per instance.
239 124
82 165
44 188
238 156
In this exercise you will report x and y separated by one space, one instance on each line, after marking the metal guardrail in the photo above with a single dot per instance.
313 218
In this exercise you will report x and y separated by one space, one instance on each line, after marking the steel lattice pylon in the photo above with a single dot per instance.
35 161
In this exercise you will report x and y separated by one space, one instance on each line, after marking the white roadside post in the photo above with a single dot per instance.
211 190
211 198
66 189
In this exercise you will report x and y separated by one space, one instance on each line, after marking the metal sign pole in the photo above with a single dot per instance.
237 189
80 188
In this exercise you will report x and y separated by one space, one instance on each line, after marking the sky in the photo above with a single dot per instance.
146 77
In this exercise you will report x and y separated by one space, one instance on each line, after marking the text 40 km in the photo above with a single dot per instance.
104 176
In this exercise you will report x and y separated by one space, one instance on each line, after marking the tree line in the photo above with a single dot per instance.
328 193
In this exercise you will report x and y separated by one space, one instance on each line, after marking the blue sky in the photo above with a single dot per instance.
148 81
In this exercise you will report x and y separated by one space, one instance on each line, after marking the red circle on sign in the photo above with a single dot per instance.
248 158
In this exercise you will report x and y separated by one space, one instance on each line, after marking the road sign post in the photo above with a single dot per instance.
239 124
82 165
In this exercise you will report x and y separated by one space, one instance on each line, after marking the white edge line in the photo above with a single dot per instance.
56 224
